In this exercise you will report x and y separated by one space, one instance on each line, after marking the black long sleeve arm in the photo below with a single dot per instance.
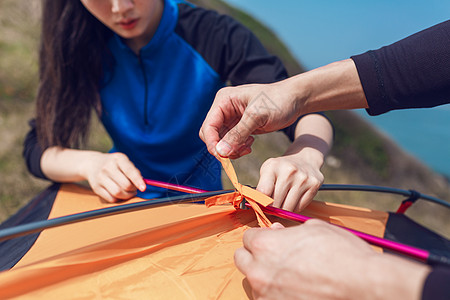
411 73
32 152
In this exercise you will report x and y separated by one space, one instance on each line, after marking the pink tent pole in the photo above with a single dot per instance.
374 240
174 187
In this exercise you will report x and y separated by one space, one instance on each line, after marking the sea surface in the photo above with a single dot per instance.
425 133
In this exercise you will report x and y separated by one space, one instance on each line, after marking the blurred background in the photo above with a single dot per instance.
320 32
305 35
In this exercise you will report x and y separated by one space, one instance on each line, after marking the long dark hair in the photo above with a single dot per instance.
73 43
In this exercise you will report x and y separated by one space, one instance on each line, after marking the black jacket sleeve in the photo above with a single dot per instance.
230 49
411 73
437 285
32 152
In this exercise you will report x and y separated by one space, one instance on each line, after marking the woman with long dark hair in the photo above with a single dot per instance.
150 70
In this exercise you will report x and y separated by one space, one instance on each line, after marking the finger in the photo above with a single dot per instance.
132 174
122 181
266 183
238 135
243 260
105 195
294 195
276 226
115 190
210 130
312 187
249 141
252 239
210 136
282 187
244 150
116 181
306 199
317 223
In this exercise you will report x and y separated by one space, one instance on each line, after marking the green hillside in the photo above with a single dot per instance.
361 155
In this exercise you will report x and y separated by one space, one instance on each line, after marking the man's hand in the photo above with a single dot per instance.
321 261
239 112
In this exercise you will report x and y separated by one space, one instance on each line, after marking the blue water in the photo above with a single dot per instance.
323 31
425 133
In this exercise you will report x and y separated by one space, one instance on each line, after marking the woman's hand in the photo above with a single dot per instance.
292 180
113 176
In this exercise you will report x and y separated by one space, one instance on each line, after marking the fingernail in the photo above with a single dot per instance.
142 187
223 149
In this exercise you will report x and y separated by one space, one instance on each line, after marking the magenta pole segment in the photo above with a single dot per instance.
413 252
417 253
174 187
285 214
374 240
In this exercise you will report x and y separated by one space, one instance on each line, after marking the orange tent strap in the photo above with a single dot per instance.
234 197
251 195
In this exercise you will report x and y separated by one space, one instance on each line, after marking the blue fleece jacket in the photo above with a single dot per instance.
153 104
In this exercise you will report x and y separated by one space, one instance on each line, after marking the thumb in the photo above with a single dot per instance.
238 136
277 225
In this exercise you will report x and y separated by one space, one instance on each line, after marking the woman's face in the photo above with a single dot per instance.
134 20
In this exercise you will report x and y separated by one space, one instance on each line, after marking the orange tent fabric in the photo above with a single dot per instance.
172 252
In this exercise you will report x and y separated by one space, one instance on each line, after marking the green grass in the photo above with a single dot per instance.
19 37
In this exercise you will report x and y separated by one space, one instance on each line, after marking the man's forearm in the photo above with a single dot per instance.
331 87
